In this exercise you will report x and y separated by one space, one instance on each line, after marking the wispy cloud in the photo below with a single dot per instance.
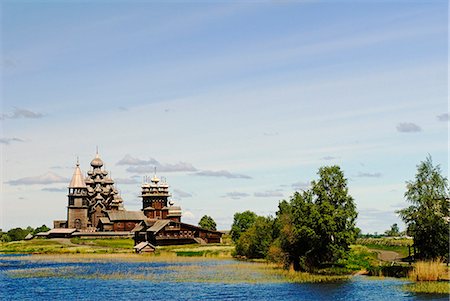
125 181
443 117
137 165
329 158
130 160
235 195
408 127
369 175
221 173
182 194
268 193
18 113
48 178
51 189
300 186
9 140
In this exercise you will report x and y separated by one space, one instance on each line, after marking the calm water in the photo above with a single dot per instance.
26 280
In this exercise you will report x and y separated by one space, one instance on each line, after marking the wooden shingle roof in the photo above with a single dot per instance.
124 215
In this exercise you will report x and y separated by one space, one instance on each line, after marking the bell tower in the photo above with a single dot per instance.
77 209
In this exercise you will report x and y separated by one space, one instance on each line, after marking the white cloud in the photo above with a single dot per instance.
369 175
329 158
235 195
136 165
125 181
130 160
297 186
221 173
408 127
21 113
268 193
51 189
48 178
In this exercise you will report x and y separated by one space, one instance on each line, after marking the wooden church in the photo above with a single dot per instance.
95 208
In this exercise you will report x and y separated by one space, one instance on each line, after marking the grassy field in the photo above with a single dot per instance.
388 244
111 245
64 246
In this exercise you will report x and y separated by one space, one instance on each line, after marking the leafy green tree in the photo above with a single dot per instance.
42 228
241 222
317 226
394 231
256 240
338 214
4 237
428 217
17 233
297 222
207 222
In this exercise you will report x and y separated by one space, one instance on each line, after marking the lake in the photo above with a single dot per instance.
27 278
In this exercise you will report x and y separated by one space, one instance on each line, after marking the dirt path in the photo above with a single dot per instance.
384 255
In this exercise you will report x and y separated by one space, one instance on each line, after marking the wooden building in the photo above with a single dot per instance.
95 208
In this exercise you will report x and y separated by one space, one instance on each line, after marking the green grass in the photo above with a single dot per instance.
360 258
50 246
388 244
116 243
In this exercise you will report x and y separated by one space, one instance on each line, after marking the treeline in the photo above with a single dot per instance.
313 229
20 234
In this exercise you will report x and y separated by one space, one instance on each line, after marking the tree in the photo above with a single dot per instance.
207 222
256 240
394 231
42 228
241 222
317 226
297 223
18 233
428 217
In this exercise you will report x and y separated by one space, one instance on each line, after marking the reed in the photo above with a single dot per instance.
429 287
433 270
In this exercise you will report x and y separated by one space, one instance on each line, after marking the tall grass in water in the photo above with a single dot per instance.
429 271
430 277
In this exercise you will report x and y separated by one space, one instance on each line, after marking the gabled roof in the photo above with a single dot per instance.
124 215
62 231
77 179
158 225
138 227
142 245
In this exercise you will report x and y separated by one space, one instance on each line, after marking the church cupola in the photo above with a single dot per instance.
97 162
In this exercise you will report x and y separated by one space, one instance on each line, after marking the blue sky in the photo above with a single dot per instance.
237 103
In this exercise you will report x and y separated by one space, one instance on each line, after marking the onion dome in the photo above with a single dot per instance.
155 179
97 162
